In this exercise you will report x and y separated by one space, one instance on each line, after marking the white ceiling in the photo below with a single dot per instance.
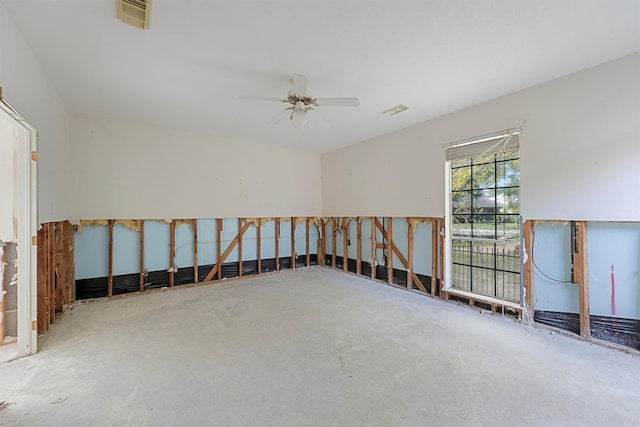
199 56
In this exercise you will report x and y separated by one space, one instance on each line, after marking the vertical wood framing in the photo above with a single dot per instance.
172 252
194 228
320 243
389 240
409 253
110 276
141 255
334 244
218 252
259 245
443 277
306 231
358 246
582 277
218 267
527 278
277 244
373 247
293 243
434 256
239 248
345 244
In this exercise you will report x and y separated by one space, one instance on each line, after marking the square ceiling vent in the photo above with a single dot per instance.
134 12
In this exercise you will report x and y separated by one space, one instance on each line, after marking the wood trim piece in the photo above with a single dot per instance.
110 261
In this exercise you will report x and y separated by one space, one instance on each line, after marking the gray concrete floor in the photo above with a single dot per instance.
311 347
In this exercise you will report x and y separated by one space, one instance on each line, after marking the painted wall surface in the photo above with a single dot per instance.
126 170
29 91
613 251
579 152
8 180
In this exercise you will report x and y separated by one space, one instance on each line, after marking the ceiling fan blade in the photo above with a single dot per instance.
299 84
263 98
338 102
278 117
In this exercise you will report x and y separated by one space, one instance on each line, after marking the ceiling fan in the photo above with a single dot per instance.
301 103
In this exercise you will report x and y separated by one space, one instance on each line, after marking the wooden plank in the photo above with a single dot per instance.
401 257
443 278
389 250
259 246
293 242
218 249
110 274
277 225
582 277
226 253
358 245
334 244
141 255
434 256
527 278
194 228
409 254
321 242
172 252
373 247
308 256
345 244
42 274
239 249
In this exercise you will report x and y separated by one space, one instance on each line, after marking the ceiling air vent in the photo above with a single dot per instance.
134 12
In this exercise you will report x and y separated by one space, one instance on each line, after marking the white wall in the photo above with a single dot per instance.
131 170
27 88
580 152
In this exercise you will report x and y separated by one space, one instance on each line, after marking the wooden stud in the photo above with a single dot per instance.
334 244
259 246
277 244
218 252
239 248
358 246
345 244
320 249
172 252
389 250
42 274
527 278
141 256
306 231
582 277
293 243
226 253
409 253
401 257
434 256
194 228
110 276
443 278
373 247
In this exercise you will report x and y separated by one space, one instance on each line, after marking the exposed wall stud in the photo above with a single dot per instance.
358 245
277 244
527 278
293 242
110 274
239 248
218 252
334 244
409 253
172 252
306 231
194 228
141 255
218 267
259 245
582 277
434 256
345 244
374 258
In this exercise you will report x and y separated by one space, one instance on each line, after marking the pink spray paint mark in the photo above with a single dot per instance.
613 292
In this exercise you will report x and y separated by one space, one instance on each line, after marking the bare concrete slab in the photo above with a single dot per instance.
311 347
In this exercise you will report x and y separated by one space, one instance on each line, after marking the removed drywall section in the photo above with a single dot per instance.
614 269
27 88
131 170
553 289
579 152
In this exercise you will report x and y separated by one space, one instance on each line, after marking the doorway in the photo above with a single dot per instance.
18 227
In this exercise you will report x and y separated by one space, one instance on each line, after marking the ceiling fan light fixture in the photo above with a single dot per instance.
299 117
